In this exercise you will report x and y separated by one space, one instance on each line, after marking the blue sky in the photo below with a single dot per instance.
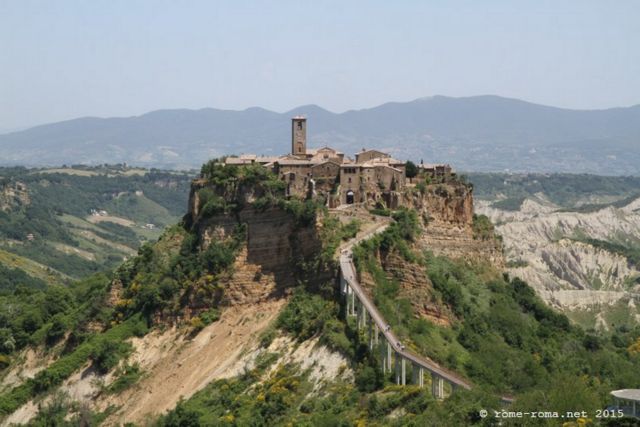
65 59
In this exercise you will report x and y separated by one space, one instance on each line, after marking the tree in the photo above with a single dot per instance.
7 342
57 329
411 170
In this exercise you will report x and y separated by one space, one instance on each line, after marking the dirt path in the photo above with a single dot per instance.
177 367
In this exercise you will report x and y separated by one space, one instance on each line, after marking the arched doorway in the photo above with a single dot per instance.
350 197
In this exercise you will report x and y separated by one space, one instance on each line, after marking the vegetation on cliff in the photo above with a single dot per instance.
91 320
502 336
498 333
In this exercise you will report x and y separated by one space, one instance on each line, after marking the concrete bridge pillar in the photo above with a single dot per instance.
401 370
346 299
389 356
383 355
376 333
417 375
353 302
437 386
363 315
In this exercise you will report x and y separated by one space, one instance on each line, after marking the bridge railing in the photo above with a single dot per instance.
391 349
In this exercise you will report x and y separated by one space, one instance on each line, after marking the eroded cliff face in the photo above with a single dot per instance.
447 214
274 244
447 220
542 244
265 266
415 286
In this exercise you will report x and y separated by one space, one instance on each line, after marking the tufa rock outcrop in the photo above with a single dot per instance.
446 211
275 242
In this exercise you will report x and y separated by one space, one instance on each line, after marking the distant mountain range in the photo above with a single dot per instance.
481 133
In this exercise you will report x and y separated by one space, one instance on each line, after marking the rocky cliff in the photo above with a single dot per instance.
415 286
274 243
448 219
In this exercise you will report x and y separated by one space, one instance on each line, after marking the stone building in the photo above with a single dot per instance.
364 182
309 172
435 170
366 155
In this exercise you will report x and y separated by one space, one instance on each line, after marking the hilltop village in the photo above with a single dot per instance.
370 177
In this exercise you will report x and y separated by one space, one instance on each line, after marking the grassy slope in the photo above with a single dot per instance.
32 268
61 199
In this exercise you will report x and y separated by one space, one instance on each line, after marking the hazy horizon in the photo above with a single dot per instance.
69 59
17 129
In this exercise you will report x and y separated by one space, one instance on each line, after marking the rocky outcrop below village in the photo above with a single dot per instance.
448 217
273 243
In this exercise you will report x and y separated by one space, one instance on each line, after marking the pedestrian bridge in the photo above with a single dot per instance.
393 354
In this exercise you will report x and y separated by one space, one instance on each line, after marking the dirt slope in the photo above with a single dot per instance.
177 367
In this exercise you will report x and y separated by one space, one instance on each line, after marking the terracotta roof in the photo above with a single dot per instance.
267 159
325 148
291 162
372 150
371 164
236 161
387 160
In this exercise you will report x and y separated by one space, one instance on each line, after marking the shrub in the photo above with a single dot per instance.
57 329
7 342
5 361
127 375
196 323
107 352
482 227
368 378
210 316
305 315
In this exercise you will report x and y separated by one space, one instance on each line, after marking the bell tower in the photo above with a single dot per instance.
299 136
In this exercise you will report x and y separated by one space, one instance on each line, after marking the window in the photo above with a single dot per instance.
299 125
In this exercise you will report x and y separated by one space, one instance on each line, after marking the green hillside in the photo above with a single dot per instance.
500 335
46 215
571 191
503 338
